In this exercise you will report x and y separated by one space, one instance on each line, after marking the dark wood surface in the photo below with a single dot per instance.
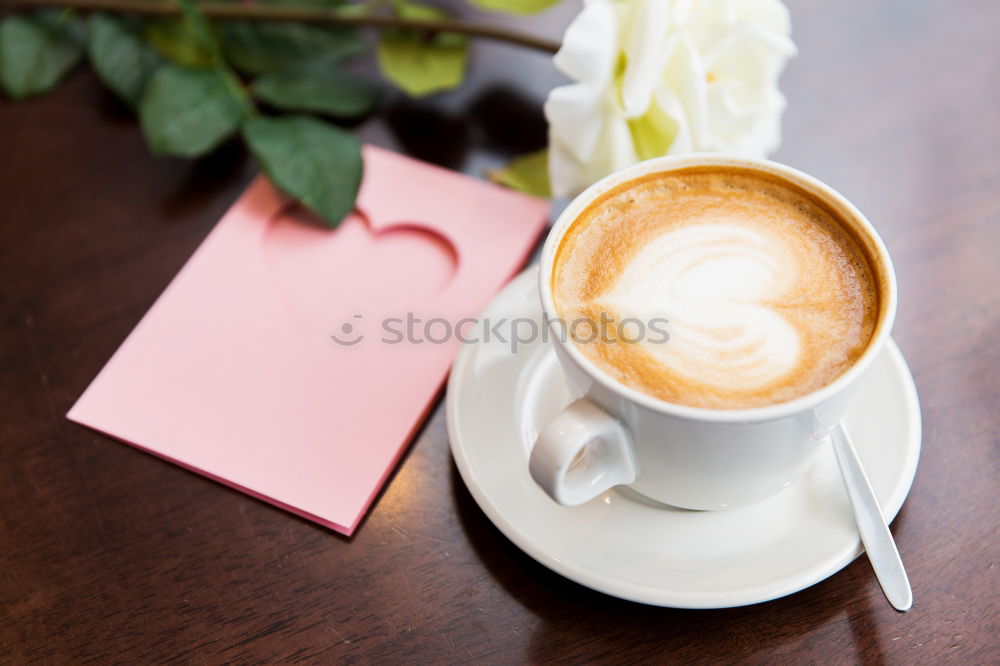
108 554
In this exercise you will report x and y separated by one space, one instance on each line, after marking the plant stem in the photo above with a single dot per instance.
257 12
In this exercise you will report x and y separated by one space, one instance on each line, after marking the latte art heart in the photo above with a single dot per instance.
717 284
767 294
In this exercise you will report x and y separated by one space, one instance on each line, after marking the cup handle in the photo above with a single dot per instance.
581 453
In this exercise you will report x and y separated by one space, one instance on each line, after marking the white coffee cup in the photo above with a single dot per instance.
684 456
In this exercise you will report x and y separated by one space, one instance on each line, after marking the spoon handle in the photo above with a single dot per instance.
874 530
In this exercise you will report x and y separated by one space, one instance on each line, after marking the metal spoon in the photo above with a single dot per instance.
874 530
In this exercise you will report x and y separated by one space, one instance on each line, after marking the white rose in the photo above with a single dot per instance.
662 77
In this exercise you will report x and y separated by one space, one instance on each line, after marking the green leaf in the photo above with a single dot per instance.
181 42
258 47
316 163
418 62
653 132
515 6
188 112
319 90
203 31
37 51
123 60
528 173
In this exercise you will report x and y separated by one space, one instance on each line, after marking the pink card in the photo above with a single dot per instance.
278 361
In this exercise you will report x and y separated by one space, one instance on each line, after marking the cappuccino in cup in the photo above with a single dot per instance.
768 292
778 296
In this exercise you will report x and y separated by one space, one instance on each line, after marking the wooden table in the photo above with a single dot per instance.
109 554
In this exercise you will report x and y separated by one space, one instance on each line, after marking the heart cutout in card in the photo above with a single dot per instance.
295 362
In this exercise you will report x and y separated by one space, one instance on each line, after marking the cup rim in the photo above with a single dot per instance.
751 414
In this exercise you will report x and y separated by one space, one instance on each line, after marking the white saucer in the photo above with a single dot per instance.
629 547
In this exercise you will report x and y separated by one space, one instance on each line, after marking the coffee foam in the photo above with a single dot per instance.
768 295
